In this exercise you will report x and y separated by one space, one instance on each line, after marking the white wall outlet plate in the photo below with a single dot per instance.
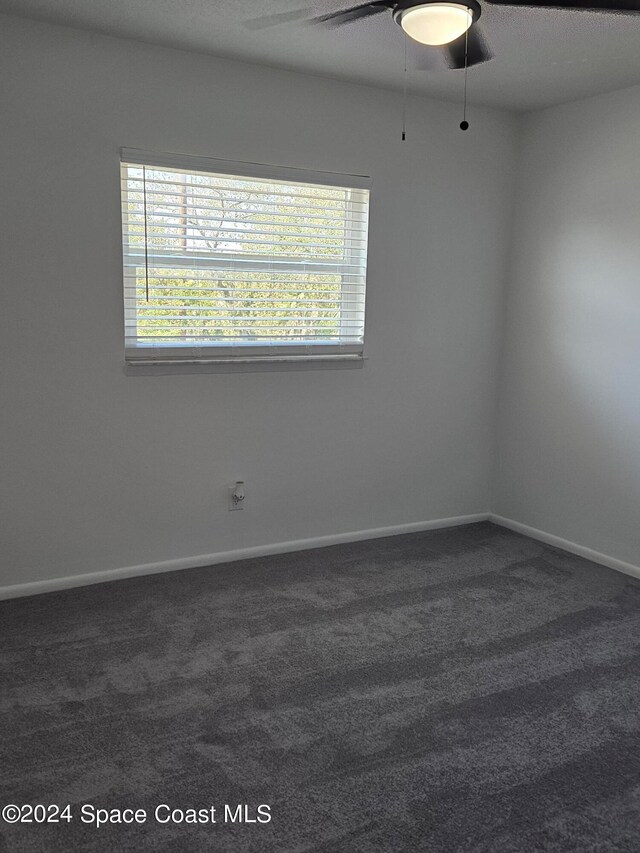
236 496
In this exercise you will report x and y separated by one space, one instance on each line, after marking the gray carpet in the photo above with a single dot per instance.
459 690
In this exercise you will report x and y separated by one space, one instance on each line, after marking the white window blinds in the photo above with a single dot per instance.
235 261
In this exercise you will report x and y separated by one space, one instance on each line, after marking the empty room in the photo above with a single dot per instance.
320 432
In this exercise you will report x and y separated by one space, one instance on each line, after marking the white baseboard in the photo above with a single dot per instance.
566 545
37 587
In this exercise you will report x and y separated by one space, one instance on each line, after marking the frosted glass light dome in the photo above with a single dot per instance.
436 23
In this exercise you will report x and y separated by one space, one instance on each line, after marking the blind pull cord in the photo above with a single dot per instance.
146 244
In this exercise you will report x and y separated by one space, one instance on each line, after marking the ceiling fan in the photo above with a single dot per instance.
451 26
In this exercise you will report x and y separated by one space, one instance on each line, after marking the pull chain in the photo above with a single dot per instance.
404 94
464 124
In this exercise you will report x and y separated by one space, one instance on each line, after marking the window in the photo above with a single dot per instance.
227 262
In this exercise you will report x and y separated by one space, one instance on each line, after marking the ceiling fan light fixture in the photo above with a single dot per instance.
436 23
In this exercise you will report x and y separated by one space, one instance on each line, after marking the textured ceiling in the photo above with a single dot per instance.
542 57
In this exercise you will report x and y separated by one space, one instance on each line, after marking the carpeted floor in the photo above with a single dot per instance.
459 690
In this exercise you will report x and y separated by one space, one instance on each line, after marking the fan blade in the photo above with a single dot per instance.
614 6
475 46
276 20
356 13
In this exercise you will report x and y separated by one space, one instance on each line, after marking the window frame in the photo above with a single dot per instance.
243 351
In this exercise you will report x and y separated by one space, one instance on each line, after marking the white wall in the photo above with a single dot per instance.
103 470
569 432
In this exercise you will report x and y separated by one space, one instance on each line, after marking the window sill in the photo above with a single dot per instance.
244 365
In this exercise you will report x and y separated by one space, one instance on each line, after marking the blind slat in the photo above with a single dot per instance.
277 322
136 208
237 237
138 285
358 210
231 261
294 286
230 304
136 229
139 297
158 186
